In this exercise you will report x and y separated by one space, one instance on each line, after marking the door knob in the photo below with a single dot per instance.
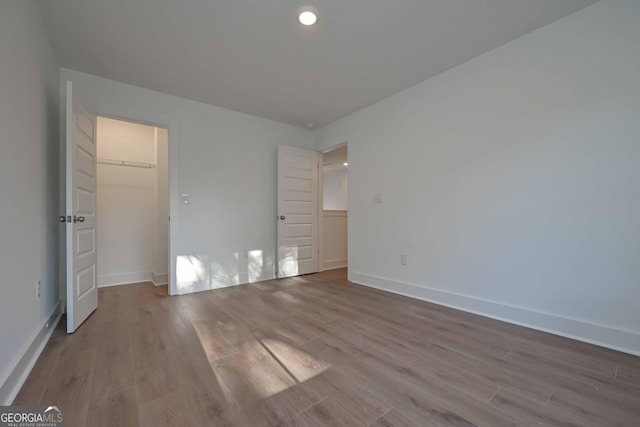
78 218
62 218
282 217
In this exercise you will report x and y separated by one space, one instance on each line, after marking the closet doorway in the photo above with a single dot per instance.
132 203
335 167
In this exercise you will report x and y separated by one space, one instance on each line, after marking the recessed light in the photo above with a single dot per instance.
309 125
307 16
345 164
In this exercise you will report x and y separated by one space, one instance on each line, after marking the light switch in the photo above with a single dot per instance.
377 198
185 198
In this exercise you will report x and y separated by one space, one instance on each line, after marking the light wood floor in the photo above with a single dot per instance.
315 351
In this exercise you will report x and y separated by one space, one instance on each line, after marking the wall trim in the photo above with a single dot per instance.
332 264
592 333
124 279
23 366
160 279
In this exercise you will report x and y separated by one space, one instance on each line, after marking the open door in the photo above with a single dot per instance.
80 218
298 237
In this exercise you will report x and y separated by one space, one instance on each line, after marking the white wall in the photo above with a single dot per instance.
334 189
127 203
226 162
512 184
161 264
28 187
334 239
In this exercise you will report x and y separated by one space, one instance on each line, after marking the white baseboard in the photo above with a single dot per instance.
159 279
21 369
332 264
602 335
124 279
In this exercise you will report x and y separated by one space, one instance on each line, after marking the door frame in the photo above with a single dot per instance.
170 273
172 166
321 205
123 112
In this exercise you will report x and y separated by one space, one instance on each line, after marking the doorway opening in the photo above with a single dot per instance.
335 167
132 203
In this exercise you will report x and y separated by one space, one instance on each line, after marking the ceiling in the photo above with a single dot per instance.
253 56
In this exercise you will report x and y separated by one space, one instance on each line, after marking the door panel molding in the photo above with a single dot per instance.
298 211
80 174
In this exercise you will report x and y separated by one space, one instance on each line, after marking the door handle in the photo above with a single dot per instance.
78 218
282 217
63 218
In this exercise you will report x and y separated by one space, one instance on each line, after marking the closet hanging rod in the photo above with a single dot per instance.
125 163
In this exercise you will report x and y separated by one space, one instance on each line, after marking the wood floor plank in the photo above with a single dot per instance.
443 399
491 369
363 405
469 346
33 389
154 376
549 362
572 358
281 384
393 418
597 409
431 403
570 376
329 412
206 396
559 380
337 333
318 350
318 311
119 408
628 375
556 341
532 413
114 360
207 311
420 370
169 410
324 355
214 344
70 384
250 391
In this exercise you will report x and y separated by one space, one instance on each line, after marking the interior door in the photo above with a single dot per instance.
80 218
298 239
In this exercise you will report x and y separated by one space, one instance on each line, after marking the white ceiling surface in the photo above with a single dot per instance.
254 57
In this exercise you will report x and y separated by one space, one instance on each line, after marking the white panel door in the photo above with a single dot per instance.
298 218
81 256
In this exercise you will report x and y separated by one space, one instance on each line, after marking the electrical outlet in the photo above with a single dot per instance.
245 254
38 289
377 198
403 259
